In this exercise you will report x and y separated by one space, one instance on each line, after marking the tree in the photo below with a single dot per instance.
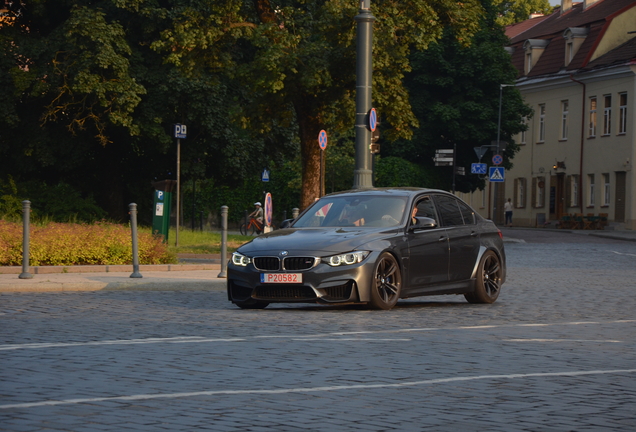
298 60
515 11
455 96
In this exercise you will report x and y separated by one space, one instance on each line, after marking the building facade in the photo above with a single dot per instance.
577 70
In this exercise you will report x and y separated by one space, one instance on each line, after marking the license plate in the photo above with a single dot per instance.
291 278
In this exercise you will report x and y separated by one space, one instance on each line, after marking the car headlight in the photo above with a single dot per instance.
240 259
346 258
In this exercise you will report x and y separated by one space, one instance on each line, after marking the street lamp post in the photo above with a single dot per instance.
363 175
494 201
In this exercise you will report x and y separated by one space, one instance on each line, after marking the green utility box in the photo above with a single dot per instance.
161 208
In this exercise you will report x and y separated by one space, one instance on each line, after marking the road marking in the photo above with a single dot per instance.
201 339
620 253
312 389
352 339
561 340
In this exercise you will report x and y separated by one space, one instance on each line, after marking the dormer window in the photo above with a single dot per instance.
574 37
533 49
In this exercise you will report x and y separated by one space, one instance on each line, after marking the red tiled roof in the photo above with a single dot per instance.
518 28
552 27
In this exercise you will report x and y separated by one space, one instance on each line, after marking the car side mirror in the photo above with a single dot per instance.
286 223
424 223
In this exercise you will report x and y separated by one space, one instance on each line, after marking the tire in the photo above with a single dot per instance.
243 229
251 304
488 283
386 284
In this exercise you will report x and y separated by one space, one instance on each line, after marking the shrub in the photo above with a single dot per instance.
101 243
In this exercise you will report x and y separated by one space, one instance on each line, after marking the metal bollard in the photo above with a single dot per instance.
295 212
223 242
26 218
284 214
135 246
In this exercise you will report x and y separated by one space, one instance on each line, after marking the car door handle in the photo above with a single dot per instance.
473 234
443 239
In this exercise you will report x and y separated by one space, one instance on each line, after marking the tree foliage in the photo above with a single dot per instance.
515 11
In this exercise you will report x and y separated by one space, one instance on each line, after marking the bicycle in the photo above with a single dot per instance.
253 225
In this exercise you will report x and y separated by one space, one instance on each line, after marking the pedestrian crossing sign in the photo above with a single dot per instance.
496 174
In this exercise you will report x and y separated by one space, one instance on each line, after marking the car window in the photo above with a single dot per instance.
449 212
349 211
426 208
467 213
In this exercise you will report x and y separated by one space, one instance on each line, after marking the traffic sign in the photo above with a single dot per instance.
180 131
496 174
480 152
451 151
443 163
443 159
497 159
460 171
268 209
478 168
373 120
265 176
322 139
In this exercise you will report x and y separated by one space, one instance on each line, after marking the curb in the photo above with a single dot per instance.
108 268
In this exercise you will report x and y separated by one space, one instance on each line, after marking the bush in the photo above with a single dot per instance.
80 244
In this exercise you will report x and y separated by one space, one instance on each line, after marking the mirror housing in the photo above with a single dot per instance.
286 223
424 223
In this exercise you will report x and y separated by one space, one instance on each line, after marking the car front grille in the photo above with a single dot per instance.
267 263
289 263
284 292
298 263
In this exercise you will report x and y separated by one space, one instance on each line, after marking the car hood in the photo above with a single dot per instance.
314 241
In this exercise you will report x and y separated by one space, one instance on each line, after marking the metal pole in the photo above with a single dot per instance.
26 222
132 207
494 201
223 242
363 175
178 189
454 165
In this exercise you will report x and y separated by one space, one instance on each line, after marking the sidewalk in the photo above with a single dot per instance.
627 235
195 272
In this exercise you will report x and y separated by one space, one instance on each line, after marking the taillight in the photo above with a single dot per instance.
500 233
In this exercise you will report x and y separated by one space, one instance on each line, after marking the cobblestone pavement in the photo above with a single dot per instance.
555 353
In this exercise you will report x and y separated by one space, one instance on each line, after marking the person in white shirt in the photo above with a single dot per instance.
508 212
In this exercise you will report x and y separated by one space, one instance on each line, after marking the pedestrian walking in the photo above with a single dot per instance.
508 213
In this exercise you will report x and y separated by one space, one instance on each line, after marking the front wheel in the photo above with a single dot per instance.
243 229
488 282
387 282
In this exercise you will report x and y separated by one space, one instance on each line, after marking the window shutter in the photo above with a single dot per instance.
568 190
535 180
516 186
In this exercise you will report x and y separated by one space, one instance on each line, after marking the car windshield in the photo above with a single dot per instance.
349 211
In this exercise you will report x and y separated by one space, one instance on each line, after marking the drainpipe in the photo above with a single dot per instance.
580 191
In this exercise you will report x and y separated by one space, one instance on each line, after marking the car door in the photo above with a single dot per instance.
463 237
428 254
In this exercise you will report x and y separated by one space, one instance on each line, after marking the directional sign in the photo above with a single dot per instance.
265 176
443 163
322 139
451 151
478 168
496 174
497 159
373 120
443 159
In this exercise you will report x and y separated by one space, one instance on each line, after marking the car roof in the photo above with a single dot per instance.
397 191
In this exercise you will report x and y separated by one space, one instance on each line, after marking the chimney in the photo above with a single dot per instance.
588 3
566 5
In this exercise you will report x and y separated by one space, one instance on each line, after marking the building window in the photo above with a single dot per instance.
574 191
590 189
520 193
542 123
523 132
538 192
606 190
564 119
528 62
569 52
592 132
622 122
607 114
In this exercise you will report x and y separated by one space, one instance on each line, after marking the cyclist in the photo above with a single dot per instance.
257 214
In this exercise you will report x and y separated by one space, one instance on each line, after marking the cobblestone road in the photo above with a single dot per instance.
555 353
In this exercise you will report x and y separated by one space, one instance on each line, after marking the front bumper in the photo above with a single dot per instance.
321 284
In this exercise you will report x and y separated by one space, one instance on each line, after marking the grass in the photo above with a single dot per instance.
204 242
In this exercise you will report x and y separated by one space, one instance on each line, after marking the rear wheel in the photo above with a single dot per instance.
488 282
387 282
243 229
